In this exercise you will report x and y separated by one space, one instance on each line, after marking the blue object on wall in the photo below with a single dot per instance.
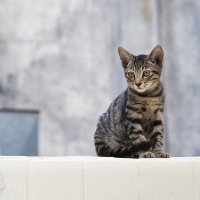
19 132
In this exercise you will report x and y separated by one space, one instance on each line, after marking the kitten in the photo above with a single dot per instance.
132 126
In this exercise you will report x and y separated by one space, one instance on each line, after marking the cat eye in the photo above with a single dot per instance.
146 73
131 74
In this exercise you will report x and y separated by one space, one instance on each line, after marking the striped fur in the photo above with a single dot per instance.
132 126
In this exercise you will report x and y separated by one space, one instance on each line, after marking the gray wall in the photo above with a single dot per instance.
179 24
60 57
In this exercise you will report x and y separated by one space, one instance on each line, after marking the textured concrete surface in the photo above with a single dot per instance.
60 57
56 57
89 178
180 38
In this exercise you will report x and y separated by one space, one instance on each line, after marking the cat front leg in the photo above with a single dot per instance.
158 134
135 131
147 154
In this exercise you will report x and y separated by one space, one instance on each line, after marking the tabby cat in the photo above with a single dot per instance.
132 126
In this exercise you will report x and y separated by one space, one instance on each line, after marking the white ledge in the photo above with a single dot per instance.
94 178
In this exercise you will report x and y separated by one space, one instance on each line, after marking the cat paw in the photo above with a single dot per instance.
163 155
147 155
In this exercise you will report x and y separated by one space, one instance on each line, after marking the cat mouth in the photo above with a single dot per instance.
139 89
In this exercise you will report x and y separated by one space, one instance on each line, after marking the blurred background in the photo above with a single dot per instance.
60 70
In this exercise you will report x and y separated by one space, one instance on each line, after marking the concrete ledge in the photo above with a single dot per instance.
93 178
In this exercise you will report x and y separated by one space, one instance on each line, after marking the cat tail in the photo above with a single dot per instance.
103 150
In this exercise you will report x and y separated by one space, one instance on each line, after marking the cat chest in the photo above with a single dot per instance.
148 117
147 120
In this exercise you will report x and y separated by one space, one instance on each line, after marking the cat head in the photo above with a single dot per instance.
142 72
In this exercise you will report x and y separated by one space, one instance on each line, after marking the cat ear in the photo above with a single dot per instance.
125 56
156 56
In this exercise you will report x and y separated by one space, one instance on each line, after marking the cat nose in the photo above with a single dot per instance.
138 84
